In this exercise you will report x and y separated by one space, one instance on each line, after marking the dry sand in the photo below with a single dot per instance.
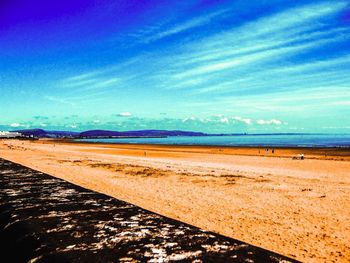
298 208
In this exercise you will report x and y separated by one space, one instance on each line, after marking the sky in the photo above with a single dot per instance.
202 65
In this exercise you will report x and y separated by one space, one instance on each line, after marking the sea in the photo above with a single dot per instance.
256 140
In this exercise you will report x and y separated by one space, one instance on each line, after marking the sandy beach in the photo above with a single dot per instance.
297 208
50 220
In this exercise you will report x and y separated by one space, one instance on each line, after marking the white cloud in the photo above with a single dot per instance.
189 119
125 114
17 125
224 120
269 122
244 120
219 118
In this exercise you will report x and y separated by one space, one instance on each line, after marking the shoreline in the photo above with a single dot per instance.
345 147
324 153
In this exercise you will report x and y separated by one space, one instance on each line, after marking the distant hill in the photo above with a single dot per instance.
40 133
141 133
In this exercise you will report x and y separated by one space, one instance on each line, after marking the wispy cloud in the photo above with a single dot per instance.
182 27
107 78
94 83
241 57
59 100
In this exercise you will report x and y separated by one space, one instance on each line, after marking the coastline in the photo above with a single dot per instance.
324 153
298 208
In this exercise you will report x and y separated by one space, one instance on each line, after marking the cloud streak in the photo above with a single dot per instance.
259 47
188 25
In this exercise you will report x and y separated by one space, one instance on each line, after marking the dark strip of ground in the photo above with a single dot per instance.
45 219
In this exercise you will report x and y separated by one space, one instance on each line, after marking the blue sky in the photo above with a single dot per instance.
212 66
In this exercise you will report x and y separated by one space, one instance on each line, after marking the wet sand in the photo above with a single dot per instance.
298 208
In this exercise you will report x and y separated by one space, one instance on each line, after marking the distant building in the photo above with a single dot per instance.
6 134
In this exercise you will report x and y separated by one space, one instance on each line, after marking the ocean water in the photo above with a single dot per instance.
288 140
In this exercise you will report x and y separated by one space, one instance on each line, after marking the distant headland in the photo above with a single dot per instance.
89 134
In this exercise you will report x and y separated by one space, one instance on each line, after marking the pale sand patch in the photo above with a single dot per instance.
296 208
